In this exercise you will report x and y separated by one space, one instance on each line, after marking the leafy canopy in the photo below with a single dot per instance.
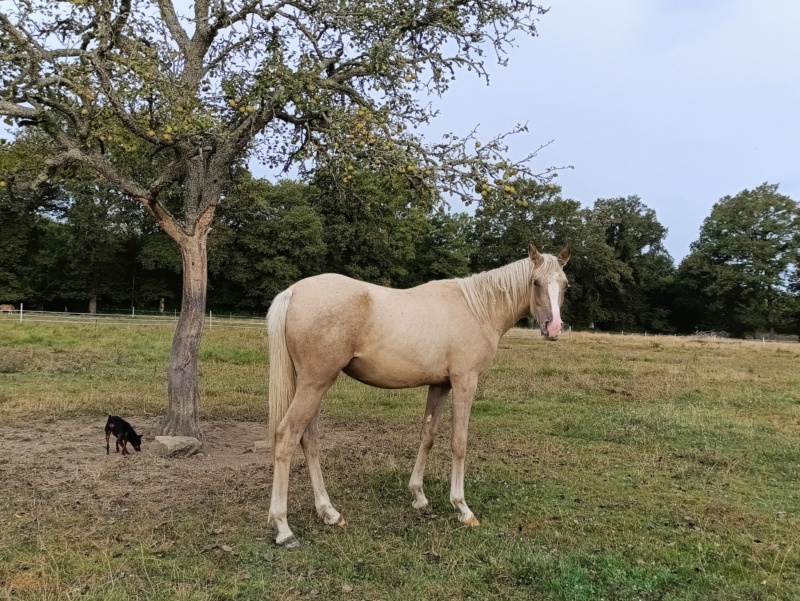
149 95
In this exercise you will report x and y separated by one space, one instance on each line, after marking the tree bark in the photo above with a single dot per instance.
161 305
93 305
182 417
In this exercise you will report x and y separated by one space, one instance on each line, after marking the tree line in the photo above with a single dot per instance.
78 246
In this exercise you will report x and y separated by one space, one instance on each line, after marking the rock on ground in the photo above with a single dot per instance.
175 446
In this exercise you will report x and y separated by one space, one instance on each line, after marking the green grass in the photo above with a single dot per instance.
601 468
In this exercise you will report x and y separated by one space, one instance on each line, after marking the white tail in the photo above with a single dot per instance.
281 367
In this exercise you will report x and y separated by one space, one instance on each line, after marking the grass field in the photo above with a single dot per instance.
601 467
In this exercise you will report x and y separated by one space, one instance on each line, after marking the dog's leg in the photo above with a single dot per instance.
108 435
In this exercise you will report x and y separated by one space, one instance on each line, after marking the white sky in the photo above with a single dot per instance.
680 102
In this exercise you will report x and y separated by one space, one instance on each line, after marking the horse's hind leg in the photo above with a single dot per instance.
437 395
304 405
310 444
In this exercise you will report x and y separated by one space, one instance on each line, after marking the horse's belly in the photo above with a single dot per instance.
394 373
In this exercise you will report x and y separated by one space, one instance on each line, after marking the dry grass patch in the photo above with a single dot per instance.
601 467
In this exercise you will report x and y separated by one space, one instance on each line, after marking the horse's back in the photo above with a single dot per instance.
382 336
362 305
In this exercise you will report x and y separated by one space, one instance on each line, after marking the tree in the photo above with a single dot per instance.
94 262
160 107
540 214
742 263
632 231
25 230
267 237
504 230
442 251
157 268
371 230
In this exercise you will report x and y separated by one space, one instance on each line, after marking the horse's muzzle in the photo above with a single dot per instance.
551 330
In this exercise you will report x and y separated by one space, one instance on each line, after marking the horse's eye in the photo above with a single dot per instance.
536 283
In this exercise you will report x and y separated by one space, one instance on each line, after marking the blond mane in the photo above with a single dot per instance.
509 285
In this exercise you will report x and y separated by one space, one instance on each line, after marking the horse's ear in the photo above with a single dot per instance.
563 256
534 255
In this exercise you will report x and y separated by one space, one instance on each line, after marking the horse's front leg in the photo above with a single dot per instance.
437 395
463 394
310 444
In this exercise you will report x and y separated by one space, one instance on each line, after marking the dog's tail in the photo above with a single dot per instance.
282 375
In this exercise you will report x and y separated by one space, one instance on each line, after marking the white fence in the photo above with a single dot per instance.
125 319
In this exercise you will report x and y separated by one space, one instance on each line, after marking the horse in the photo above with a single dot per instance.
442 334
7 308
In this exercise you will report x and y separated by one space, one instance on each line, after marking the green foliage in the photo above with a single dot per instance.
267 237
619 270
644 268
72 239
23 230
96 244
442 251
380 229
741 268
155 101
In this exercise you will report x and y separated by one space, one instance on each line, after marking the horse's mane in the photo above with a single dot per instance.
509 284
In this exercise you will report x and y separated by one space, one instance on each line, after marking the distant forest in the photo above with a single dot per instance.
74 245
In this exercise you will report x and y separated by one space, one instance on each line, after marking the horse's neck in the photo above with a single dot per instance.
500 297
504 318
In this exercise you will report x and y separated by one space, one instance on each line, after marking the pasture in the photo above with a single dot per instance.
601 467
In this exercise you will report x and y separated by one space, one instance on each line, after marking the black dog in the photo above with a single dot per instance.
124 434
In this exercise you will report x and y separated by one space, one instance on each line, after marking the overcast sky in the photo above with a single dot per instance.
680 102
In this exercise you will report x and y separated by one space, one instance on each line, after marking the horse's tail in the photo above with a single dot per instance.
281 367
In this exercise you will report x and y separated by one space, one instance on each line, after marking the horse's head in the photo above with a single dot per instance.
547 292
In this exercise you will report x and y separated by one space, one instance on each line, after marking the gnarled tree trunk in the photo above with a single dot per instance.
183 384
182 417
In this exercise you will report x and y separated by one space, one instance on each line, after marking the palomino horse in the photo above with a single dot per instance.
442 334
7 309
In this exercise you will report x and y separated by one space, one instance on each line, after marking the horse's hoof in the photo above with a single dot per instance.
289 542
472 522
341 523
426 509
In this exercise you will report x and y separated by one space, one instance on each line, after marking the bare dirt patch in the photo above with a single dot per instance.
64 462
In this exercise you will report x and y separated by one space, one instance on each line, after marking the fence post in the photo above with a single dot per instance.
133 311
210 320
21 305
